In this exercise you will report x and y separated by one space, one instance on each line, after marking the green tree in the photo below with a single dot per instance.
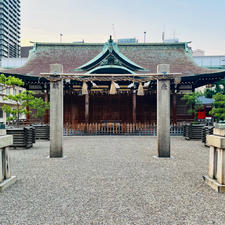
10 81
39 106
218 109
218 87
192 100
21 101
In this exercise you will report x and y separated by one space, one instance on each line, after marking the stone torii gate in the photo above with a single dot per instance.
163 77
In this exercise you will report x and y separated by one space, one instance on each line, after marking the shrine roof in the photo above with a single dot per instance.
145 55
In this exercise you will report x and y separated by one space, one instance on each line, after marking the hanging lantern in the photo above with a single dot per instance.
112 90
140 90
84 88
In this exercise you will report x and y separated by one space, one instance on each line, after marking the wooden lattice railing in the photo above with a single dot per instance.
119 129
115 128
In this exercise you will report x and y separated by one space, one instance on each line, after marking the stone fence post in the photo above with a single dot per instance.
6 177
216 176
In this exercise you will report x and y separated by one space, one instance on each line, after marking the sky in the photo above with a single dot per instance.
200 21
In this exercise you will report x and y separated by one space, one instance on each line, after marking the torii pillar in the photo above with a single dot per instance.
56 111
163 112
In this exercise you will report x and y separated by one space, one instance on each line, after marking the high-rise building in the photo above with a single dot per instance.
9 28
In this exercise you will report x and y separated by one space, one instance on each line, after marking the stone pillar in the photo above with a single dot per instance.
56 112
87 108
134 106
163 112
216 176
6 178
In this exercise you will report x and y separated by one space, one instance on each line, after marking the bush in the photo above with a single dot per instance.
218 110
193 101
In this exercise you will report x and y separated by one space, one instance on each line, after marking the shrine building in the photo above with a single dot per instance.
120 95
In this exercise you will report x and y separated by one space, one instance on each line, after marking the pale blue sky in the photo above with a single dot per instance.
199 21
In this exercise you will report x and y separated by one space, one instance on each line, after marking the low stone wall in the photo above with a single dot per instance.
6 177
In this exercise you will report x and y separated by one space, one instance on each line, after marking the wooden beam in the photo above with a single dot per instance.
160 75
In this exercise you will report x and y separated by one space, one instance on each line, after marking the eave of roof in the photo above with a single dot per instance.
74 55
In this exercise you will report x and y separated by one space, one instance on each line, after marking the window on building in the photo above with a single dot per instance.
1 89
7 91
14 91
1 113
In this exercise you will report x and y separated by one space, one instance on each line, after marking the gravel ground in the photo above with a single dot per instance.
111 180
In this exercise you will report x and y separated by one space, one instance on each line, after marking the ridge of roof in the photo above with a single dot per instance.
102 44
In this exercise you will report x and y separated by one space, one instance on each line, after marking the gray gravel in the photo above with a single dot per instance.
111 180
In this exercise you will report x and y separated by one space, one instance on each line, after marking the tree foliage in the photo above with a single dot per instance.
39 106
21 101
218 110
192 99
218 87
10 81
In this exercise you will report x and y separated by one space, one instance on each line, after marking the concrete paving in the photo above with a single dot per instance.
111 180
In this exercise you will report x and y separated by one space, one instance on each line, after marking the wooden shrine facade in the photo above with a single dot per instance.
94 99
125 106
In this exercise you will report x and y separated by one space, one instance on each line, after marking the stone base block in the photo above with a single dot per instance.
214 184
215 141
6 140
6 183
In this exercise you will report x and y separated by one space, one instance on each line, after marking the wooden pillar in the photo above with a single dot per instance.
134 106
174 108
87 108
71 122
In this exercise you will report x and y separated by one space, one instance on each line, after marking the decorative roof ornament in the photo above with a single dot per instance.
110 58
